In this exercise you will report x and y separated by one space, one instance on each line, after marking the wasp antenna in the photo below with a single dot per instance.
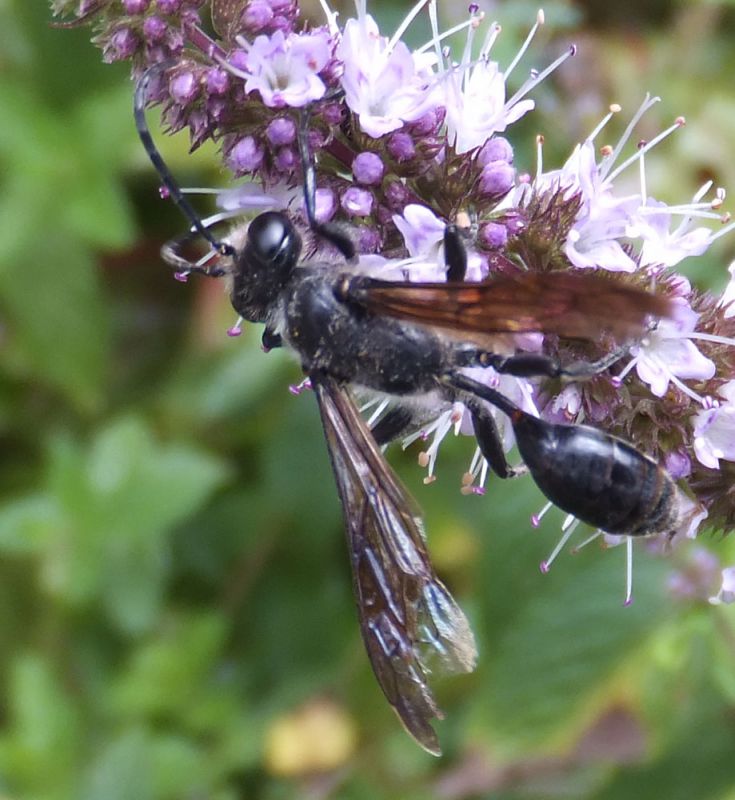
140 100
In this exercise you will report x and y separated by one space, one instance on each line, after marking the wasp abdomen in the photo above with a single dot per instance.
598 478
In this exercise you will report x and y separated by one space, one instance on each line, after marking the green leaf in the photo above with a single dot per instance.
697 763
169 672
25 524
120 500
56 313
39 749
122 770
204 390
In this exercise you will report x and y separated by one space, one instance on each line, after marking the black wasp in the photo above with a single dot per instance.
411 341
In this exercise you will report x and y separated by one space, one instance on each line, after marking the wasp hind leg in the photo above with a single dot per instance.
488 439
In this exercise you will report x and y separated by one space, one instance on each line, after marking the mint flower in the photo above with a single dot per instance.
284 70
385 84
726 593
407 141
666 354
727 301
714 429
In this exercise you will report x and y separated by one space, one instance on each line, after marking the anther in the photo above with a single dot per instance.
536 518
296 389
236 329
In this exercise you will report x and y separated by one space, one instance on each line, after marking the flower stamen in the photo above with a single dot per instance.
568 527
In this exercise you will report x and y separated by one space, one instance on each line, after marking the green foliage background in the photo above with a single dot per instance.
176 619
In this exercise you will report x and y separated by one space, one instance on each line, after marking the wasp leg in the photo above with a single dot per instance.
396 422
400 420
170 252
532 365
455 254
334 234
271 340
488 439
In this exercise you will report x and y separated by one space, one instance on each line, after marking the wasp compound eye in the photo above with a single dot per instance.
273 241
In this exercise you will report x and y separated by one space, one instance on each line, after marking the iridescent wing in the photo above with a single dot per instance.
408 619
576 305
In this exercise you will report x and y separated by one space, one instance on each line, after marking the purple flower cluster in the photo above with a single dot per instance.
408 140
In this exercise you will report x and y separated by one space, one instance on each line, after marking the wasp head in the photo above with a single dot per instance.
264 265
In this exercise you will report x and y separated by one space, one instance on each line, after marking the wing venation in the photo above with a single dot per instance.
408 619
576 305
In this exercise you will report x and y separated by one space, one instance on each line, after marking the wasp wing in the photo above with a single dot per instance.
407 617
576 305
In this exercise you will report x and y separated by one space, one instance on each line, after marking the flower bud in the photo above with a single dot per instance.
496 179
218 81
325 205
496 149
400 146
492 236
368 239
286 159
217 109
429 123
184 87
135 6
239 60
332 113
154 29
246 155
122 44
281 23
678 464
169 6
357 202
280 131
397 196
257 16
368 168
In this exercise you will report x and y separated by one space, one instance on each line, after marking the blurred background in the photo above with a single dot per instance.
176 616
